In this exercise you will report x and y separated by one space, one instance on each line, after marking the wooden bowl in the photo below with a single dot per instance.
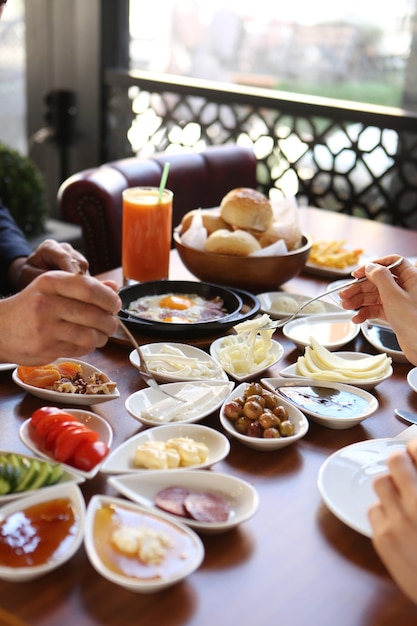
252 273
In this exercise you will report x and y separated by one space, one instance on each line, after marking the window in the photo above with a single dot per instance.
351 49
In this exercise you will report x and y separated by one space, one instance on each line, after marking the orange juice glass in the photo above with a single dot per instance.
146 233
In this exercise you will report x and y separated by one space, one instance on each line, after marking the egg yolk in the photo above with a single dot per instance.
179 303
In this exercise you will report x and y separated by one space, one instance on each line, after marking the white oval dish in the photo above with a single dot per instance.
92 420
241 496
4 367
195 364
270 304
291 371
68 476
265 444
345 480
368 403
328 271
331 330
187 548
277 354
66 490
139 403
120 460
382 338
412 379
77 399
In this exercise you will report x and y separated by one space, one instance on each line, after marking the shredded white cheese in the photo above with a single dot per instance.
249 350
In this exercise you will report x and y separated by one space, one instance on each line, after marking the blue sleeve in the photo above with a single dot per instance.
13 244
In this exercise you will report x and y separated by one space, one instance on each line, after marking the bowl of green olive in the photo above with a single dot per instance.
260 419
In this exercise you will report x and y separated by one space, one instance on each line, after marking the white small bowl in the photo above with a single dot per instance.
330 419
241 496
77 399
92 420
205 368
291 371
120 460
331 330
266 444
277 354
185 555
66 490
270 304
142 400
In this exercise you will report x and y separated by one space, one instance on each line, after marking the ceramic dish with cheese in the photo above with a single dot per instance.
173 446
153 408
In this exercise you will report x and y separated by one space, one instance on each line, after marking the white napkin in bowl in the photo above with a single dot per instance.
277 248
196 235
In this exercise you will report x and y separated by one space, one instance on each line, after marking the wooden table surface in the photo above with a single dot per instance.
294 563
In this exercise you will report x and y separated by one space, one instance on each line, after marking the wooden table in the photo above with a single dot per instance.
294 563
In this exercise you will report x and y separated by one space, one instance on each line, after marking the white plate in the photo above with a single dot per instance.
67 477
382 338
4 367
270 304
241 496
328 417
191 411
76 399
66 490
277 354
291 371
120 460
345 480
331 330
186 552
205 368
322 270
92 420
412 379
264 444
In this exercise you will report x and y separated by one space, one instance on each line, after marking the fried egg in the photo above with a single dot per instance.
177 308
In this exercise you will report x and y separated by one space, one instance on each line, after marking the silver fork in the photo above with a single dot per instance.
143 368
280 323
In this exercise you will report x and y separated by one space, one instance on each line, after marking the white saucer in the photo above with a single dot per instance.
345 479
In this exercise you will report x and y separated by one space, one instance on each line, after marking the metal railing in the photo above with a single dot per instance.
332 154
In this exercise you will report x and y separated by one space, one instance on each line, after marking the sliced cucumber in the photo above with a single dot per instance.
19 473
56 474
43 476
4 486
28 477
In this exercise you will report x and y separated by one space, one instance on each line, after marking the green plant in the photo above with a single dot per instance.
23 191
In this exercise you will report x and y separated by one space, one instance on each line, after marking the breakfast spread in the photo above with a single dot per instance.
173 453
177 308
258 413
245 223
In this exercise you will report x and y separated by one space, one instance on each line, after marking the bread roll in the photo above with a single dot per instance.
233 243
246 208
211 220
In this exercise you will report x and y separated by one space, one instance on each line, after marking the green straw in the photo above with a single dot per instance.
163 181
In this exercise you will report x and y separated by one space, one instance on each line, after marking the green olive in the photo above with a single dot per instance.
269 420
241 424
271 433
281 412
252 409
233 409
253 389
286 428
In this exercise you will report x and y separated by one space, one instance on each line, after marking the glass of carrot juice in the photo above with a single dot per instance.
146 233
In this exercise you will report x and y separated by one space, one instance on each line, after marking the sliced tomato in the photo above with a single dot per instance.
54 431
44 424
70 438
89 454
43 412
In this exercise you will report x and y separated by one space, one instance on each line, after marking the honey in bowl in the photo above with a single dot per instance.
163 552
38 534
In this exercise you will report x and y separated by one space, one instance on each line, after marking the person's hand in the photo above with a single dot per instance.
387 297
393 519
57 314
49 255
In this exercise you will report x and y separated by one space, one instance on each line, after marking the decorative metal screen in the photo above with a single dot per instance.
329 154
